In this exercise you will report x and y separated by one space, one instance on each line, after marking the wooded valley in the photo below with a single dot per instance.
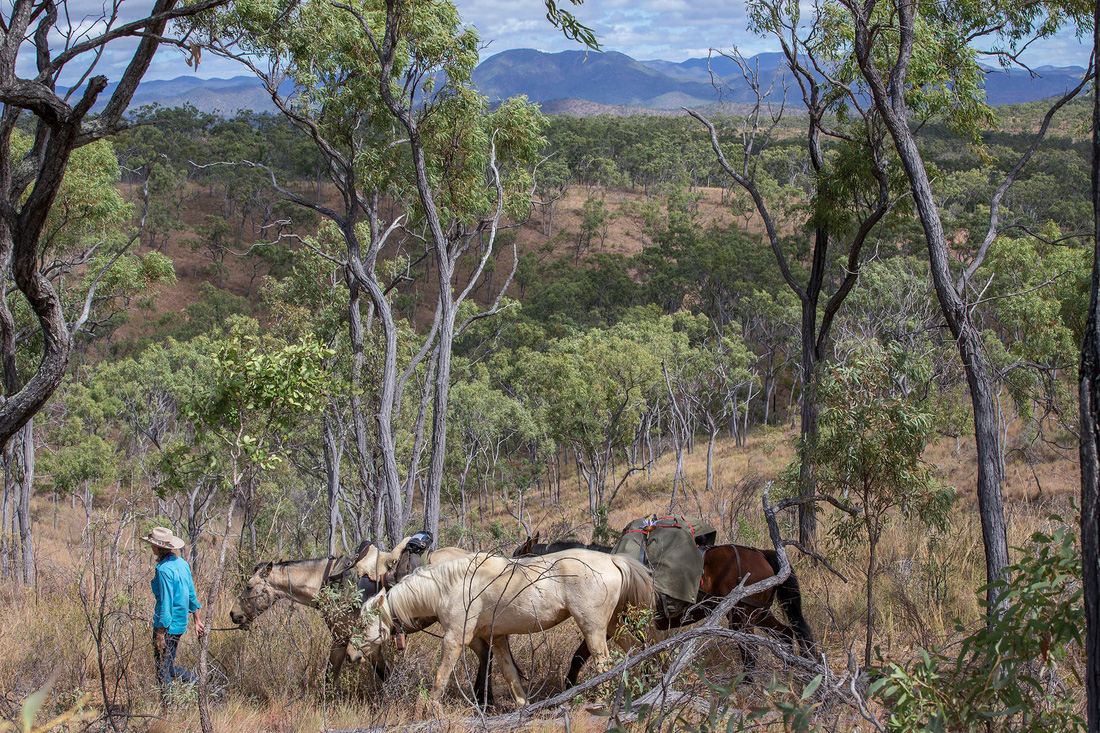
830 321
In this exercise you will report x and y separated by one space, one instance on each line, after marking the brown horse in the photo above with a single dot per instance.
724 566
532 547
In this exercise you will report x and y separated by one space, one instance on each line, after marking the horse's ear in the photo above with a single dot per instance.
535 539
266 569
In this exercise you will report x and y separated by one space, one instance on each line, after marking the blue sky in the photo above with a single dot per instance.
673 30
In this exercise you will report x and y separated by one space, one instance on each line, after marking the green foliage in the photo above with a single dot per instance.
870 452
324 49
1011 672
88 205
872 437
258 388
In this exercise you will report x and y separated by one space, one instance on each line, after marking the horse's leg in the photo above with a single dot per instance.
595 636
739 621
579 658
336 655
379 661
452 650
508 667
483 684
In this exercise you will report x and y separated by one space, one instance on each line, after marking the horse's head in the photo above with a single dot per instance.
528 547
375 629
256 597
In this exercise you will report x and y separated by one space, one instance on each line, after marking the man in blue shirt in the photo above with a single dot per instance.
174 591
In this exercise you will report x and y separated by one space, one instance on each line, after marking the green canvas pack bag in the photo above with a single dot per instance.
670 547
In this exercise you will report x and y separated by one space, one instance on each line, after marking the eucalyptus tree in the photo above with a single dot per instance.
874 431
917 62
1034 304
487 426
704 384
848 183
593 390
258 389
1088 390
383 90
149 393
715 373
43 39
84 256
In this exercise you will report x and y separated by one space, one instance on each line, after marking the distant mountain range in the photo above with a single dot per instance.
576 82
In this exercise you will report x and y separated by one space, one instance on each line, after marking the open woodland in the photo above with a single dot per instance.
380 311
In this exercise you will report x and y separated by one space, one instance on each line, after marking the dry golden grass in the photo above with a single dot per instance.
276 673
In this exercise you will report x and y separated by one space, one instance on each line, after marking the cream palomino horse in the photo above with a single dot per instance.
487 597
409 563
301 581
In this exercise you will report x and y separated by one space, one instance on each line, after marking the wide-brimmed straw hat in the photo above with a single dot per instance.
163 537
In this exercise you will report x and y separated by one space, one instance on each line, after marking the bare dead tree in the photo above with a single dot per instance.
372 233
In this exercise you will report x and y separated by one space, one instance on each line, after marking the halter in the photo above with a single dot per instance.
399 634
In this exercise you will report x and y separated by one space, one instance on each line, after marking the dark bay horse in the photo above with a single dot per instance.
532 547
723 568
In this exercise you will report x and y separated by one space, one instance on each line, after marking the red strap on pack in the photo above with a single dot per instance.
675 525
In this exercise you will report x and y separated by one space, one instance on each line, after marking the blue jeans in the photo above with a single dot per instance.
166 663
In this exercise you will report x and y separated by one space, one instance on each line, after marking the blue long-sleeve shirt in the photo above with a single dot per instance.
174 591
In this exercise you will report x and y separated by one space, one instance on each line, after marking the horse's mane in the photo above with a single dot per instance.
418 591
429 586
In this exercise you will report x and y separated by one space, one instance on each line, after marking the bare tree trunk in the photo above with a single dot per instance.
870 599
366 457
26 531
807 519
334 452
710 456
1089 393
196 521
391 483
434 487
6 521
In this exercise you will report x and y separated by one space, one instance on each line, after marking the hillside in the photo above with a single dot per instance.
647 322
586 83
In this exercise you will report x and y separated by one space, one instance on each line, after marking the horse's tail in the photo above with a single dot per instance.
790 599
637 589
